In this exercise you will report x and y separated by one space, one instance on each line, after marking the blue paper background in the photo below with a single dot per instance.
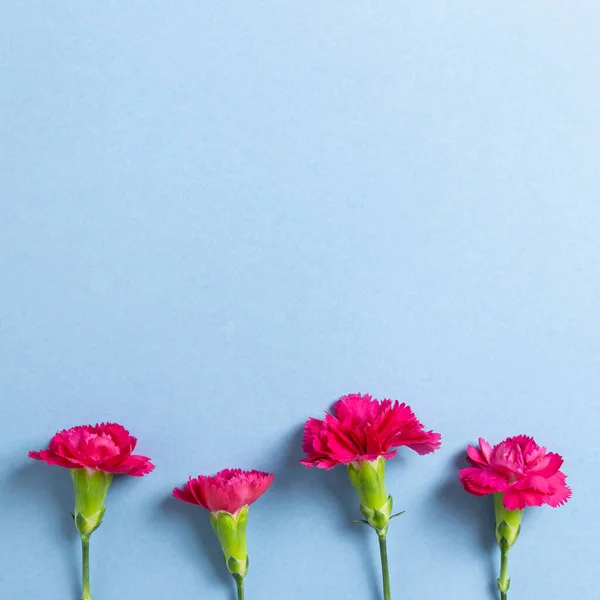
218 217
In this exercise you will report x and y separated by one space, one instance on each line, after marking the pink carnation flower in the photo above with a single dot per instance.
521 470
362 428
105 447
229 490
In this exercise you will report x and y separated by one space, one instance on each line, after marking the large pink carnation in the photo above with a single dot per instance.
362 428
105 447
228 490
524 472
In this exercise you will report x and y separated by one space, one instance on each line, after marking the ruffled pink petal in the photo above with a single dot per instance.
479 457
475 457
320 463
516 499
64 445
312 428
185 494
119 435
507 459
536 483
481 482
253 487
354 407
560 491
100 450
220 497
340 445
486 450
53 459
395 420
198 488
429 443
547 465
133 465
528 448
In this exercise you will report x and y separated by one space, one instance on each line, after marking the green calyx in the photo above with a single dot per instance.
90 489
378 519
507 529
508 523
368 479
231 531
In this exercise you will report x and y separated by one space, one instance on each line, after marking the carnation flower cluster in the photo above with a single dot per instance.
104 447
362 428
360 433
229 490
522 471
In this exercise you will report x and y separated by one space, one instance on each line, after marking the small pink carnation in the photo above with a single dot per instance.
104 447
362 428
229 490
522 471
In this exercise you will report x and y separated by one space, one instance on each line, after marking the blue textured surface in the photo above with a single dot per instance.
216 218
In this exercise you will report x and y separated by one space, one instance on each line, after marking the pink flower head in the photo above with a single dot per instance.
105 447
524 472
362 428
229 490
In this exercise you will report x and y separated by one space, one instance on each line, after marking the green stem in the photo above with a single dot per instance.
239 582
85 571
504 579
387 595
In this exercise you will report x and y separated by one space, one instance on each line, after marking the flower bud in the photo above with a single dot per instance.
90 488
231 531
368 479
508 523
